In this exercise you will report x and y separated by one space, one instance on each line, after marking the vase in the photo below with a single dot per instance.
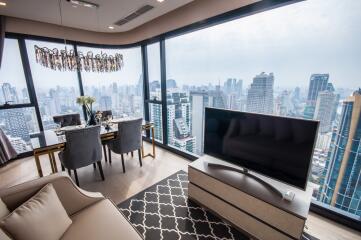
91 119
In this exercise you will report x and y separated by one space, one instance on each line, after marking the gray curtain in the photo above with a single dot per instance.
2 36
7 151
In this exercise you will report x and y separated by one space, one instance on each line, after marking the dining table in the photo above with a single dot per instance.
48 142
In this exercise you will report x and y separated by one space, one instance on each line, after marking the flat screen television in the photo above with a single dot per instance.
277 147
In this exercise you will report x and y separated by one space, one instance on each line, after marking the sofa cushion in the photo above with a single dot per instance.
101 220
4 211
42 217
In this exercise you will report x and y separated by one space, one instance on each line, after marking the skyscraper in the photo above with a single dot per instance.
342 184
318 83
260 94
199 100
156 117
324 110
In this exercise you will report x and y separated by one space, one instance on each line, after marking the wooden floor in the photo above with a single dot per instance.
119 186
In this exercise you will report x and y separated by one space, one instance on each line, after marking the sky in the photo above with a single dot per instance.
294 41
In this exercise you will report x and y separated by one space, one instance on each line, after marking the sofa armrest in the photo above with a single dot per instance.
72 197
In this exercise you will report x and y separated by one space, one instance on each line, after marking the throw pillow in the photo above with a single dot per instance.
42 217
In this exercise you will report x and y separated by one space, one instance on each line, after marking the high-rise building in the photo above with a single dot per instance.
318 83
156 117
260 94
199 100
182 138
15 124
324 110
342 184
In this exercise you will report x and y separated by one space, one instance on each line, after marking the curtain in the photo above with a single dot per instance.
2 36
7 151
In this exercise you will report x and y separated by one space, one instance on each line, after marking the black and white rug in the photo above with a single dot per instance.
163 211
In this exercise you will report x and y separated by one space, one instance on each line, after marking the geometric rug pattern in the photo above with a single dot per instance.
163 212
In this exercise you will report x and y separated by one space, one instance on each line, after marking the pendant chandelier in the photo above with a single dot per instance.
64 60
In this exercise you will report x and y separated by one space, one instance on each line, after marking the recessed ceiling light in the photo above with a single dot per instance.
83 3
3 4
160 1
110 27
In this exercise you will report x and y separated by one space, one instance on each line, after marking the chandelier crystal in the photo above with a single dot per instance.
64 60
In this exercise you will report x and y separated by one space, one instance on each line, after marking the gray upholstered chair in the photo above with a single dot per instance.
82 148
67 119
128 139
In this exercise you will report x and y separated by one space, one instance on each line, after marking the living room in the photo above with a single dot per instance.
189 119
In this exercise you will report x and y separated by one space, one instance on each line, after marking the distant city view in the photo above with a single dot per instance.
299 70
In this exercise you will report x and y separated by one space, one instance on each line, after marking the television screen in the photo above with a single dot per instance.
278 147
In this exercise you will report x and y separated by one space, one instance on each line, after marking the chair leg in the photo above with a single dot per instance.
76 178
123 162
94 166
101 170
110 155
131 153
140 157
69 172
105 153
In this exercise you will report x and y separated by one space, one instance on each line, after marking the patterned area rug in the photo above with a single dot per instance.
163 211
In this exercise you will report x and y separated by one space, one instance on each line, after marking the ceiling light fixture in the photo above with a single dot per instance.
84 3
160 1
3 4
111 27
64 60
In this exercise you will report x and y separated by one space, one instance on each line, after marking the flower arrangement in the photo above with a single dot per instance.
87 102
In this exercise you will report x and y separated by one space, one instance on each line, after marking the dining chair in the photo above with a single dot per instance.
82 148
128 139
106 114
67 119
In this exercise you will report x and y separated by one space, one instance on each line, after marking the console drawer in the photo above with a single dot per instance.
282 220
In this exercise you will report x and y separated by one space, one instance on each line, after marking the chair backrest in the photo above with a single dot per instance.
129 137
105 114
67 119
82 148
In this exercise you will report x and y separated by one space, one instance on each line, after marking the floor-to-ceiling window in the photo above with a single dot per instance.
301 60
121 91
17 114
154 86
56 90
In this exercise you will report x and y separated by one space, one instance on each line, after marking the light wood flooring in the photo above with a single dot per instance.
119 186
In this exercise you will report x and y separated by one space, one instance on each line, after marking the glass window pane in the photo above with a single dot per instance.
13 89
18 124
155 116
56 91
121 91
153 52
278 62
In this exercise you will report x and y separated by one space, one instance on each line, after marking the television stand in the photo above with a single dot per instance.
247 203
247 173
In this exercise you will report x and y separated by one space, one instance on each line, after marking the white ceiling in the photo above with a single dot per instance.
109 12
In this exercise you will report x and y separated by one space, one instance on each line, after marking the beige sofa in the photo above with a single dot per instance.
94 216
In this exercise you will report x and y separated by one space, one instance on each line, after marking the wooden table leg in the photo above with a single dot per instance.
51 162
54 162
38 165
142 149
153 142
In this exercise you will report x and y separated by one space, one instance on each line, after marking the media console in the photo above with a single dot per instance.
247 203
